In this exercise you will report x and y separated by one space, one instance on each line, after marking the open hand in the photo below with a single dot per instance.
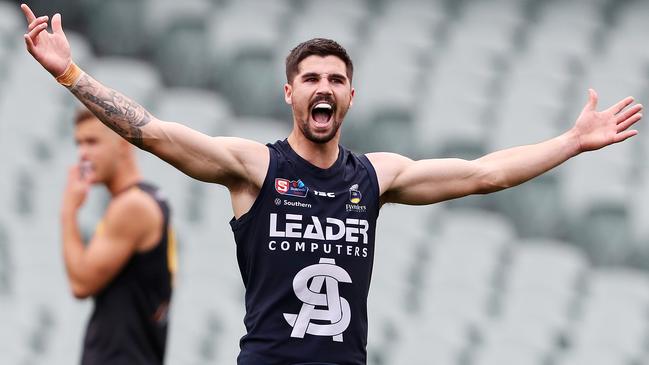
599 129
51 50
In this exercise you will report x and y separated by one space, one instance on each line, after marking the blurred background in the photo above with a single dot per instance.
553 272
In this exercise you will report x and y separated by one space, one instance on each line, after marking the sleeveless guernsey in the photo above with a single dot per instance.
129 321
305 250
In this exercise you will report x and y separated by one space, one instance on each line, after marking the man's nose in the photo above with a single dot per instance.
324 87
83 152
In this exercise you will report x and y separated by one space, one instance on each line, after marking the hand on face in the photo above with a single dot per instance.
599 129
77 187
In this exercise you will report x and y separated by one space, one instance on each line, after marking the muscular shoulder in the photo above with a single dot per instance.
134 213
387 166
388 160
252 157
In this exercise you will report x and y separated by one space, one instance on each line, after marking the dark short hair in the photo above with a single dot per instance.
318 47
82 114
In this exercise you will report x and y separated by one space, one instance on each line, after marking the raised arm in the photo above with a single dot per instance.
402 180
223 160
228 161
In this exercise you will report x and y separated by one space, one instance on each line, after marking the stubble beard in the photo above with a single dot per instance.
308 132
314 137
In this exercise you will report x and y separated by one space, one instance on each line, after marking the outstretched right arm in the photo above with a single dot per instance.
224 160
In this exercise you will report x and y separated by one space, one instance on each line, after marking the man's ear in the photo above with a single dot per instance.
351 97
288 94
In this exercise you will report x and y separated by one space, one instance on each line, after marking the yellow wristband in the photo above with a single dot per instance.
70 76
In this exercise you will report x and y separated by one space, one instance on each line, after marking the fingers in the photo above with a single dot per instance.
74 173
629 122
626 114
30 44
56 24
36 31
29 15
35 26
37 22
624 135
626 120
620 105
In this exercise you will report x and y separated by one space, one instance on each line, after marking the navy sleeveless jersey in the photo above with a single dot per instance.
129 321
305 250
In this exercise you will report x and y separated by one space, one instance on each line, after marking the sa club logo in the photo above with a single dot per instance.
317 286
291 187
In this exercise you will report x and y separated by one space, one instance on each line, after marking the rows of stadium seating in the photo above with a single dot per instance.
551 272
480 295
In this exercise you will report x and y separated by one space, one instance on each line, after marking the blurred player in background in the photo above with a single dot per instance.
129 263
305 208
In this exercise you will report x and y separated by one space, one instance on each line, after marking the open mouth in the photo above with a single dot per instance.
322 112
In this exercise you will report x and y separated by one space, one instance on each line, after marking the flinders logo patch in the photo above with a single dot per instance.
291 187
355 195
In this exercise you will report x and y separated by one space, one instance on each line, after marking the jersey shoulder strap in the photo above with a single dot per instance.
371 172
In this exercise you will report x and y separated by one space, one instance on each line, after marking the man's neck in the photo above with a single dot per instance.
322 155
126 176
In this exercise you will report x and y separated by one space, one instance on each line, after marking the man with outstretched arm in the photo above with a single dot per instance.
305 208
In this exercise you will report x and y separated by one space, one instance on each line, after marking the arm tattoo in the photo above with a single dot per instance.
115 110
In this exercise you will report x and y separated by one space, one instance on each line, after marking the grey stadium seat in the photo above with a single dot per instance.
595 195
612 319
244 42
177 34
113 32
137 80
205 111
11 25
262 130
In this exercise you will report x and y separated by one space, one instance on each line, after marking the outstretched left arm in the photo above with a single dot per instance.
405 181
